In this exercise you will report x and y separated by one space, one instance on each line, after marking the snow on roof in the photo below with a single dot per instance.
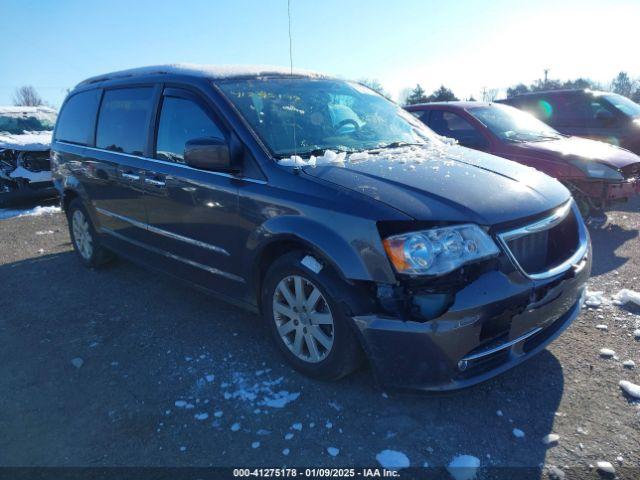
13 110
207 71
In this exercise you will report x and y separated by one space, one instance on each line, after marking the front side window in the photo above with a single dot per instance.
182 120
78 118
513 125
124 120
452 125
305 115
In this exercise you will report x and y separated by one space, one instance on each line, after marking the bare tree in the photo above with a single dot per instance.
489 94
375 85
27 96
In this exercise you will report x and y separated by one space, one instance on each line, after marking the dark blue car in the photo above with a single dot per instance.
352 228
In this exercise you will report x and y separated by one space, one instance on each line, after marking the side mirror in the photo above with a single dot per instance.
209 153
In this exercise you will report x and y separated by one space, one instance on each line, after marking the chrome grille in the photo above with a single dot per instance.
549 246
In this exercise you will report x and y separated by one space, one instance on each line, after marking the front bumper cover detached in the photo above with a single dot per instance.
456 350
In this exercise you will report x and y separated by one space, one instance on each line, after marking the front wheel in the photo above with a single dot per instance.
308 325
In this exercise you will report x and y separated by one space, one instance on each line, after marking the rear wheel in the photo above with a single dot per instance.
84 238
308 325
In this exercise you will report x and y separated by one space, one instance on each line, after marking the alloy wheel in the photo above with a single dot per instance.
82 234
303 318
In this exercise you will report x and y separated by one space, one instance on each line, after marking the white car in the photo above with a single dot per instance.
25 140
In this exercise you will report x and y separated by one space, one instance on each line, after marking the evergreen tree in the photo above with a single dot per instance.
416 96
443 94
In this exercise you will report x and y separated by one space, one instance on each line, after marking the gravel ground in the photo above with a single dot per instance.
121 367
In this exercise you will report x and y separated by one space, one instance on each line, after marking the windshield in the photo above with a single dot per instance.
17 122
513 125
327 115
626 106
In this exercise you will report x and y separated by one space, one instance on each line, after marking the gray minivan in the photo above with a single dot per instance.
350 226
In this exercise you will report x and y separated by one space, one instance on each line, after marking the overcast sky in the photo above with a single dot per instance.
466 46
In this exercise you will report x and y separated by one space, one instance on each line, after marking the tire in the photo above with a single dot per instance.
86 242
344 354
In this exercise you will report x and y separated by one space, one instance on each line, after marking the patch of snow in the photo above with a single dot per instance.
499 413
34 212
629 364
607 352
392 459
235 427
328 424
625 296
27 141
255 445
335 405
602 327
77 362
297 426
288 436
464 467
550 438
593 299
631 388
183 449
210 378
518 433
33 177
201 416
286 451
636 334
261 393
605 467
218 414
180 403
333 451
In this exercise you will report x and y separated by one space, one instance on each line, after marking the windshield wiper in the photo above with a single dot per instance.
398 145
316 152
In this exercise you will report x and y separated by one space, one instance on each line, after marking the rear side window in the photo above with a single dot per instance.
78 118
182 120
124 119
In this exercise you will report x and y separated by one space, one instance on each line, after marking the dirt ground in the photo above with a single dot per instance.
122 367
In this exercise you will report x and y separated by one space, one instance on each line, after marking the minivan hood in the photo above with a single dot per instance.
575 147
447 183
28 141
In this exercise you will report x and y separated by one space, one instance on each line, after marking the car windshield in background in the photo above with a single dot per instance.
514 125
626 106
17 123
326 114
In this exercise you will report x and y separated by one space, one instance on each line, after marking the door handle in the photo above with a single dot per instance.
131 176
154 182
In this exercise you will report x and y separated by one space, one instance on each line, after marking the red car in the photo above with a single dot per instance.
598 174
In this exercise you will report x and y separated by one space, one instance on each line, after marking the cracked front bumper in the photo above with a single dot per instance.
495 323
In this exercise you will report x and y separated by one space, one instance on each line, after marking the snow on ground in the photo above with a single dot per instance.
602 327
464 467
518 433
631 388
263 393
392 459
550 438
593 299
625 296
333 451
605 467
39 210
607 352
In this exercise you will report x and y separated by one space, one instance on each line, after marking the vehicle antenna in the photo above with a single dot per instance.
295 153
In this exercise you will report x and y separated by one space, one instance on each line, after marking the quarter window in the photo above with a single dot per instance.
124 119
78 118
452 125
182 120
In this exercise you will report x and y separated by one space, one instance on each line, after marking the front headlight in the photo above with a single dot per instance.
439 250
598 170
